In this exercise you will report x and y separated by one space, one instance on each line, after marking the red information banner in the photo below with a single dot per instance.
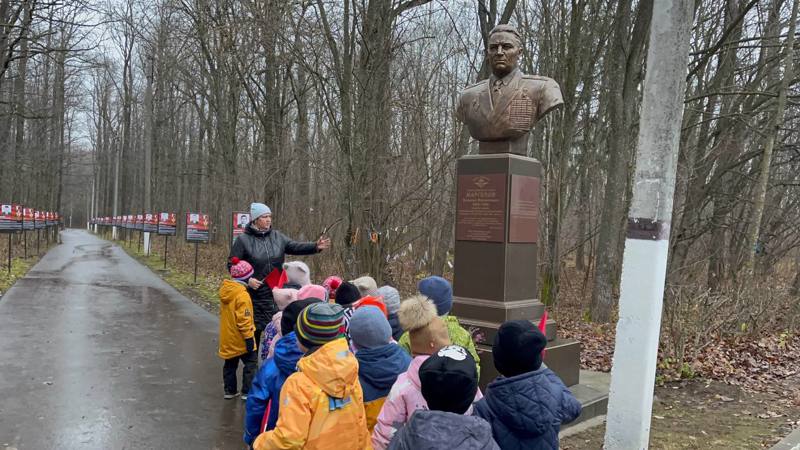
197 227
139 221
150 223
167 224
27 219
38 218
10 218
239 223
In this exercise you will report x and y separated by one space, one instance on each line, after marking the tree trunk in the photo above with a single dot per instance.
776 120
624 98
20 110
148 133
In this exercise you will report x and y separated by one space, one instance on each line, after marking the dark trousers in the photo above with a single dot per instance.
257 335
250 361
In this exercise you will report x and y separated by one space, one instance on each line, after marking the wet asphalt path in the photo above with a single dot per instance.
97 352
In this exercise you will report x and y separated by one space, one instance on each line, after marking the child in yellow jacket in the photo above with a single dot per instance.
322 404
237 329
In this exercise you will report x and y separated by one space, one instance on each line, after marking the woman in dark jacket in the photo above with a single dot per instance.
265 248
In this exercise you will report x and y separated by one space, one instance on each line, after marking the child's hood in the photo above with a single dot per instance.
332 367
413 370
380 366
445 430
526 404
287 353
283 297
229 290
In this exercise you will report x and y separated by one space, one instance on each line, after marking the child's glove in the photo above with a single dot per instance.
250 343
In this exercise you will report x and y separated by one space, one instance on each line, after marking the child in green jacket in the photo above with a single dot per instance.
440 291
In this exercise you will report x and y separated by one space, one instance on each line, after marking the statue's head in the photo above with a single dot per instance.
505 46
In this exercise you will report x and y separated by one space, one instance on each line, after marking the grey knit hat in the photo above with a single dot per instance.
366 285
391 298
369 328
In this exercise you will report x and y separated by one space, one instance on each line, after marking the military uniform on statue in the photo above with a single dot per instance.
508 110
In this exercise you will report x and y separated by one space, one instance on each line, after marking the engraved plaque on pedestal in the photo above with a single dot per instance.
481 211
523 211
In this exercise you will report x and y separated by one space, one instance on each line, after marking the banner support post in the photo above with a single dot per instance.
196 249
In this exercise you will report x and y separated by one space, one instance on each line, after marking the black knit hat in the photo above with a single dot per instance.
518 347
449 380
347 293
290 313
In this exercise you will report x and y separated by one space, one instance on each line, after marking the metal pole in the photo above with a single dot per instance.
25 243
140 242
196 247
165 250
38 234
9 253
644 263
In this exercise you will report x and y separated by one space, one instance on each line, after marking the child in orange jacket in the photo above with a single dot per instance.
322 404
237 329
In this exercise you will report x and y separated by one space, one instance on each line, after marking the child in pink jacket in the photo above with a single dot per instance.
427 333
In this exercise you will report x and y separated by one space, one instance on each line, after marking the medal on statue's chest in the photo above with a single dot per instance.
521 111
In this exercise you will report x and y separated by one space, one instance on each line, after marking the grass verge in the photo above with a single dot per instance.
19 267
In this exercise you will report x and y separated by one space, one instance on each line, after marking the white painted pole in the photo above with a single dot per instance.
644 263
147 243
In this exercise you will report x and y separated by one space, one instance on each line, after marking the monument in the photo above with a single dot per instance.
497 213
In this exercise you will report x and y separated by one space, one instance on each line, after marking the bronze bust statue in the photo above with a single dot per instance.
501 110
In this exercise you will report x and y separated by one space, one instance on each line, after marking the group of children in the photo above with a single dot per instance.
348 365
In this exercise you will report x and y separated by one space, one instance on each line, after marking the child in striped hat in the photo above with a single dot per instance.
324 391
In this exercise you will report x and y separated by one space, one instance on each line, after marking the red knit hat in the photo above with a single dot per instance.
331 284
372 301
241 270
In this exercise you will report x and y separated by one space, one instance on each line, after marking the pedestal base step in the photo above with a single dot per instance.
592 392
484 332
563 357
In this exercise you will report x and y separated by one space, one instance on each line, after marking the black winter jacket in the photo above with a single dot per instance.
265 251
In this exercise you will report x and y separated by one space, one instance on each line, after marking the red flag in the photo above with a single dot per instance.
276 279
543 328
265 418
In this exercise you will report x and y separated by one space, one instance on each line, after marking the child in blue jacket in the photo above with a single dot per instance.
527 405
261 413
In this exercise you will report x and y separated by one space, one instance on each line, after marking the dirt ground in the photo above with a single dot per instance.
707 415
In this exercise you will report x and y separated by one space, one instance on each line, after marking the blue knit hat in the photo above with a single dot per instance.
439 291
369 328
258 209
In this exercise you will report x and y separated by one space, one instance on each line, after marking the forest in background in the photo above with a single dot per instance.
330 110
